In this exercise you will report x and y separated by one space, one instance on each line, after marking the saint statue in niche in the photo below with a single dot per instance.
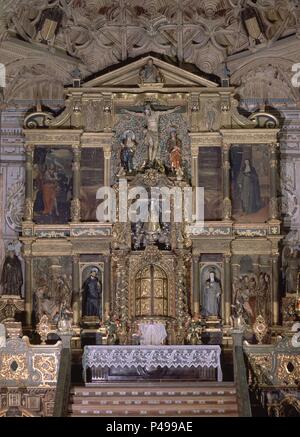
151 118
210 115
128 148
150 73
12 276
211 296
174 145
92 295
249 189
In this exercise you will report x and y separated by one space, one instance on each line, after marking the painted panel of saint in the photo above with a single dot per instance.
250 183
52 183
52 286
210 178
92 178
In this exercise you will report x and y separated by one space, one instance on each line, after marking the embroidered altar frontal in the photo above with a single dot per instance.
149 361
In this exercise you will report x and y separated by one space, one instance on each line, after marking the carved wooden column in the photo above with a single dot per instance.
181 297
194 112
120 287
107 164
226 183
273 182
28 285
29 151
108 112
75 204
196 293
106 288
275 289
227 288
76 289
195 153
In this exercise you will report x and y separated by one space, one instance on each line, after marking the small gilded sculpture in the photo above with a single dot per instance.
128 148
211 296
174 147
12 277
92 295
150 73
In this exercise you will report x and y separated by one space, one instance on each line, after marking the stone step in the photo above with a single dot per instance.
157 390
155 399
158 399
161 415
167 410
156 383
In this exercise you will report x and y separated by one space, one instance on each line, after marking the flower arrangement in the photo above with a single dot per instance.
112 325
194 330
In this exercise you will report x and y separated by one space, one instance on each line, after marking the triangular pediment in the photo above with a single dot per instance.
128 75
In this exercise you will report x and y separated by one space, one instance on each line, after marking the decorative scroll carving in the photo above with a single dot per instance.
38 119
275 365
265 120
227 209
260 329
28 213
209 30
22 364
9 306
288 369
44 328
75 210
15 205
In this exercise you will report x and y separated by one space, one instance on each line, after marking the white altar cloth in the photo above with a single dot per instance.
150 357
152 333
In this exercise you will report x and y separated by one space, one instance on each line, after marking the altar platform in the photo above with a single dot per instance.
104 363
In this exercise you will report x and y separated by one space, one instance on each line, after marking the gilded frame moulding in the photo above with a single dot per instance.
250 136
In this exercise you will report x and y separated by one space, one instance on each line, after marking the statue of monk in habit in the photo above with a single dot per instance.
12 276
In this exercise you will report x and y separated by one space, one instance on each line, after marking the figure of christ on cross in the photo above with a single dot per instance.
151 131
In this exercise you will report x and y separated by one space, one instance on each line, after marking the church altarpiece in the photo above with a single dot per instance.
177 129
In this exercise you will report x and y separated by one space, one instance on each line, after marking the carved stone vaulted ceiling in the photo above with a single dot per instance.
95 34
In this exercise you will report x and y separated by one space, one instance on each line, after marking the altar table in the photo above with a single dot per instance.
99 358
